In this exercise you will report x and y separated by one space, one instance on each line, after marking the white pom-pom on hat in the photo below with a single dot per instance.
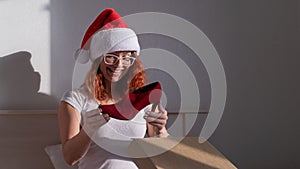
108 33
81 56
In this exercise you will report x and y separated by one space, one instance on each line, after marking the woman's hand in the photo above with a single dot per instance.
76 141
93 120
157 119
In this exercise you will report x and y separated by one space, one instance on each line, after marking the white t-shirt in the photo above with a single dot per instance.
110 143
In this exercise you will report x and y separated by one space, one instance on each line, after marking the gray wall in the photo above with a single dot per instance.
258 43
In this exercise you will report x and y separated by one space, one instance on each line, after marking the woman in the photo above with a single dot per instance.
89 136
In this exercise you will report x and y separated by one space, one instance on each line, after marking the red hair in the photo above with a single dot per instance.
134 79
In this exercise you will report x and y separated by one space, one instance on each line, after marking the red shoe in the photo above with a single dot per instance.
132 103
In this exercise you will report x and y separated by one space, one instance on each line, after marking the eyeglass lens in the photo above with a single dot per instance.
112 59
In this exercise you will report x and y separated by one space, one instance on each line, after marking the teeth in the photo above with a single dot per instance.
116 70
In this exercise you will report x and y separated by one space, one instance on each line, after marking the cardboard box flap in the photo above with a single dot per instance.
173 153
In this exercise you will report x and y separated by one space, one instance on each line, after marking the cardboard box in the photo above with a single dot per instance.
176 153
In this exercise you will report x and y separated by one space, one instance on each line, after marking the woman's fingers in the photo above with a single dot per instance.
156 115
94 116
94 119
94 113
106 117
154 105
161 109
153 114
156 119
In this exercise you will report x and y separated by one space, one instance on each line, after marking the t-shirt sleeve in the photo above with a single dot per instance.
73 98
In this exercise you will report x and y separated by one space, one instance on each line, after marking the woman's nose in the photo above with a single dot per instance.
119 61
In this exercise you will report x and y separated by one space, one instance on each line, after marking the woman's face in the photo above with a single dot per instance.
115 65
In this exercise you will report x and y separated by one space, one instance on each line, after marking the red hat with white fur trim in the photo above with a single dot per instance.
108 33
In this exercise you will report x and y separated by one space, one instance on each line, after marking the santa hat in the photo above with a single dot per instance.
108 33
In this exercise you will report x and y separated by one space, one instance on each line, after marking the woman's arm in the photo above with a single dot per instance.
156 121
75 142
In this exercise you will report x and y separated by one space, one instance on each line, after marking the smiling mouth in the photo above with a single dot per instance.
115 71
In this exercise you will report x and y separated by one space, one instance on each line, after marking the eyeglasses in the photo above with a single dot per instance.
111 59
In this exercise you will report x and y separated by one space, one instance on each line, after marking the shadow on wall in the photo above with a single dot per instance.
20 84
